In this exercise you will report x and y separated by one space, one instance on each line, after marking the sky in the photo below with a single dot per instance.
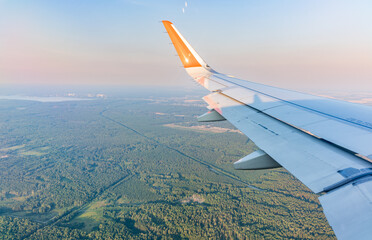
302 45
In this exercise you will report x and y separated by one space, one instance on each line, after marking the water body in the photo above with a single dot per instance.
43 99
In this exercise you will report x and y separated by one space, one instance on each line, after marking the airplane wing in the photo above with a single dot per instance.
325 143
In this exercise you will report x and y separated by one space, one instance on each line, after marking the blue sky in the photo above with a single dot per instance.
297 44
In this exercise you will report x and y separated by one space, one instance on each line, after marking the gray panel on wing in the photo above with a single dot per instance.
342 123
349 211
313 161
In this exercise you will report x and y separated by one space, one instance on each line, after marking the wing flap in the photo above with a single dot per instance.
349 210
314 162
342 123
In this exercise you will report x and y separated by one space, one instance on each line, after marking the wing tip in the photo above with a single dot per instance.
186 53
166 22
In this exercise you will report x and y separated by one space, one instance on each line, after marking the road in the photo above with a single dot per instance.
210 166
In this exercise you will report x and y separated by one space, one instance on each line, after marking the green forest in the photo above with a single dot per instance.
114 169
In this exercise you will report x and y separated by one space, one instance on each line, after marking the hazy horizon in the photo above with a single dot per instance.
298 45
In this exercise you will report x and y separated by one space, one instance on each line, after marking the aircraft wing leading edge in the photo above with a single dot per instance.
323 142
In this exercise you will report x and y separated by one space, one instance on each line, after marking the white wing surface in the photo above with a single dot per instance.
325 143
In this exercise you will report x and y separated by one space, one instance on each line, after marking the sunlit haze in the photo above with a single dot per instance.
303 45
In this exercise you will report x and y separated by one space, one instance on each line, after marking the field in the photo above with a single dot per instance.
140 168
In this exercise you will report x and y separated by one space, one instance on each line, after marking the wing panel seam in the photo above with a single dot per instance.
307 108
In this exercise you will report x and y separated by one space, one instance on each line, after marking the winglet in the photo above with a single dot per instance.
187 54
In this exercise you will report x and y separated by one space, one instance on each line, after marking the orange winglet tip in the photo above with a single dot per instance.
182 46
166 22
